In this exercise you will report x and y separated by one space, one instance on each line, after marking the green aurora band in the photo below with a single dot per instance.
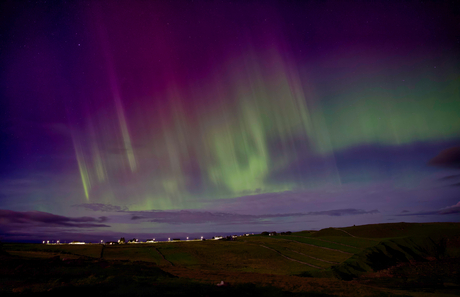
256 115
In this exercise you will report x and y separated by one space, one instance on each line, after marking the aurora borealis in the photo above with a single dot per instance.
149 117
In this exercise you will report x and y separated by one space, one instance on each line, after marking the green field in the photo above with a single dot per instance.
319 262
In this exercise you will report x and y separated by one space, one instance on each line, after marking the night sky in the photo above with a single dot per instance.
141 118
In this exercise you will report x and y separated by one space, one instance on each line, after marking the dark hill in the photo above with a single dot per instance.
402 229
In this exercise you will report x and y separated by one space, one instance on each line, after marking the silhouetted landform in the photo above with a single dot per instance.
399 259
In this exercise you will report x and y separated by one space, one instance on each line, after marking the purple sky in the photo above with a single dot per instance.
141 118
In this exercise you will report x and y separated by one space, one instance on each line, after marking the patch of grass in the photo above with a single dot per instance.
330 232
306 233
311 250
301 257
353 241
389 253
443 276
34 254
131 252
319 243
232 256
89 250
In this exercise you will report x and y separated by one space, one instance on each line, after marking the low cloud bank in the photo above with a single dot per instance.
43 219
101 207
200 217
454 209
448 158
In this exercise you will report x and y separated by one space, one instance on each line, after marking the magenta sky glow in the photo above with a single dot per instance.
138 118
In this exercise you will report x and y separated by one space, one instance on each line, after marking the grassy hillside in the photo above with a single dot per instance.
399 243
392 230
389 253
92 251
315 261
231 256
54 277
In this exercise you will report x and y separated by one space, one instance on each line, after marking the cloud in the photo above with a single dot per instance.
343 212
448 158
454 209
194 217
454 180
450 177
200 217
101 207
137 217
44 219
359 162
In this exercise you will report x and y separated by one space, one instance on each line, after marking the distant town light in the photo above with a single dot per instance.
77 242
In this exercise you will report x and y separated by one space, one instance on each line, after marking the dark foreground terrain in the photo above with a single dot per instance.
373 260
